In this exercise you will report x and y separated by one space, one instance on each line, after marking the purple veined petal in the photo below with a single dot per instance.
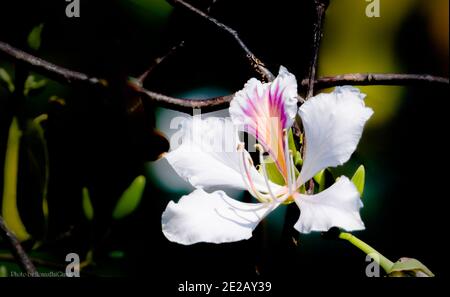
265 111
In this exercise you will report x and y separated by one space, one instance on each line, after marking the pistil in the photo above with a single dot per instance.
287 158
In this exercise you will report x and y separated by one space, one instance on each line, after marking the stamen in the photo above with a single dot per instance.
292 183
283 198
286 158
263 166
247 177
291 160
240 148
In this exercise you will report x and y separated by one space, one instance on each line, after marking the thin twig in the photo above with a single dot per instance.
17 250
255 62
170 53
61 267
372 79
158 61
320 7
37 261
46 68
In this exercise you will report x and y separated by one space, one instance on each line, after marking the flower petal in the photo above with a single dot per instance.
337 206
274 99
333 125
208 156
202 159
265 110
211 217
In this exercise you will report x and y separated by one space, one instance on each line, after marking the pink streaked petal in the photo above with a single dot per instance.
265 110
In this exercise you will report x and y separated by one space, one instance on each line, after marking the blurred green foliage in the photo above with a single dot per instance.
152 12
6 80
34 38
130 198
88 209
353 42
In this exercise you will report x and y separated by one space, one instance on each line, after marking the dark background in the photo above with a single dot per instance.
93 142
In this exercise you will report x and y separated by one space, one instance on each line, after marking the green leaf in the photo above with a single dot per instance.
117 254
10 212
89 257
130 198
272 172
324 179
34 38
291 142
3 271
88 210
35 129
6 80
359 179
45 208
34 153
32 86
298 161
409 267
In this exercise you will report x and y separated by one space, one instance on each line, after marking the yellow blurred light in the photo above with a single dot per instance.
353 42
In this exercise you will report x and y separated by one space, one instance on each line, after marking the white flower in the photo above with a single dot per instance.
333 124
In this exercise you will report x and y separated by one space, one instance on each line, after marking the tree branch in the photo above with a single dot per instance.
17 250
39 262
68 76
181 104
65 75
254 61
320 7
373 79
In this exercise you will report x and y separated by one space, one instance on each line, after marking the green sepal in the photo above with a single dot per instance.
359 179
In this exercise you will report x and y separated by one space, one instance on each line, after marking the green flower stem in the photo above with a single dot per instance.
384 262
